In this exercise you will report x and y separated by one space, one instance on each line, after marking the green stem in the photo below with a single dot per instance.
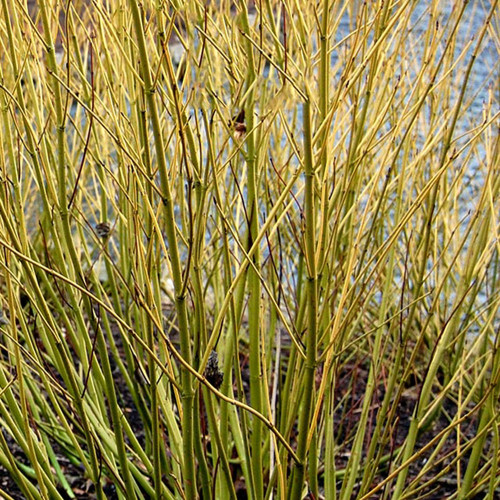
253 277
312 307
180 299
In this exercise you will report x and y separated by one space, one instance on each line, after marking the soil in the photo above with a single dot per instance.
349 391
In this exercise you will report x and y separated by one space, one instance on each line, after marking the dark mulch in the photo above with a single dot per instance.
351 384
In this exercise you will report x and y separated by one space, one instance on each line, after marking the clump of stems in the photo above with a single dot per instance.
250 246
